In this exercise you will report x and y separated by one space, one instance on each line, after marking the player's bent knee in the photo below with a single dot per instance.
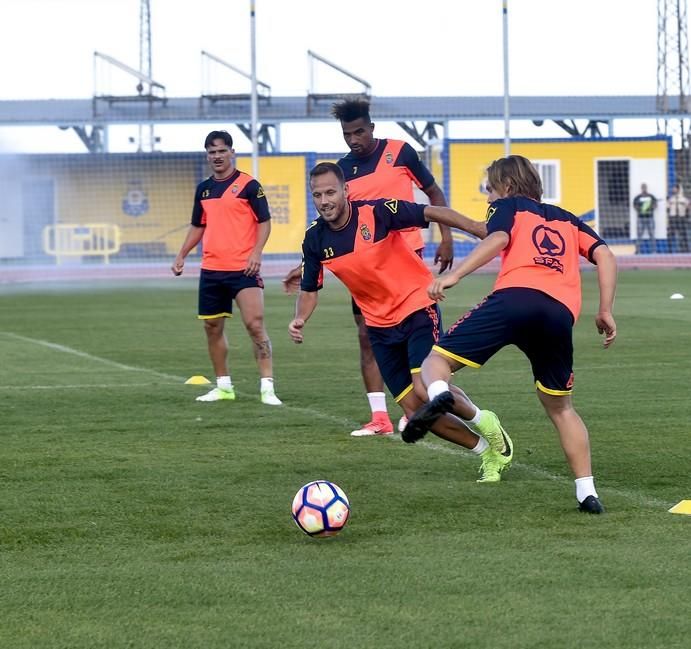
255 328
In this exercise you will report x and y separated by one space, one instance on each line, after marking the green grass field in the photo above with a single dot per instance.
133 516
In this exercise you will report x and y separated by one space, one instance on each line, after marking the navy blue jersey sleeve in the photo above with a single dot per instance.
254 193
500 216
588 240
197 209
312 272
410 159
399 215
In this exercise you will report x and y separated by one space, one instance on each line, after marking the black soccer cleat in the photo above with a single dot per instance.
420 422
591 505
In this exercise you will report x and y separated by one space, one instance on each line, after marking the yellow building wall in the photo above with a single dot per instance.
469 160
106 188
283 179
101 192
150 198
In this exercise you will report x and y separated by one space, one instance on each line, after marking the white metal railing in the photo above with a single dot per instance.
81 239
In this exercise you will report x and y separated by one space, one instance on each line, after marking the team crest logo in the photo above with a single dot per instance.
549 244
389 158
490 213
235 188
135 202
392 205
364 231
260 192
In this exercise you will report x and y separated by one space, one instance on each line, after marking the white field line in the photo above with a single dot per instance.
76 352
131 368
80 386
628 494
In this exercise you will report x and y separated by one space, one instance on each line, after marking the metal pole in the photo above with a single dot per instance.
254 102
507 118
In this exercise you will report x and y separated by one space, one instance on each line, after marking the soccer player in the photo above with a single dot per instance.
231 218
381 168
359 242
534 305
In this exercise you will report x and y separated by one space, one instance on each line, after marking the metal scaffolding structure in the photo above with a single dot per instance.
146 143
673 77
434 112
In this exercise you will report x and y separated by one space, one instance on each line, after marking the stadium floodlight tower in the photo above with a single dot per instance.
148 90
427 136
268 134
145 68
314 97
673 78
421 136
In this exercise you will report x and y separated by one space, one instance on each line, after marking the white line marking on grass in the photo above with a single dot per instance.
69 350
131 368
80 386
628 494
634 496
343 421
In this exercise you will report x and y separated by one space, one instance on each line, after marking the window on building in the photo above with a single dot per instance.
550 174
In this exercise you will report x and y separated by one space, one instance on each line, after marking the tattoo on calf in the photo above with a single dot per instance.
262 349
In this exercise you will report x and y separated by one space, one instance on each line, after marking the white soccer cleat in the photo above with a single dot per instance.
218 395
402 422
270 399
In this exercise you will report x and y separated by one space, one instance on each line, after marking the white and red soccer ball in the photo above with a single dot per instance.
321 508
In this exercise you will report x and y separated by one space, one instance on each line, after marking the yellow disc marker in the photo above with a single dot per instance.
683 507
197 380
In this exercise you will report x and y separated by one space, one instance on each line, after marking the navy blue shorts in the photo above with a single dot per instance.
540 326
353 304
400 350
218 288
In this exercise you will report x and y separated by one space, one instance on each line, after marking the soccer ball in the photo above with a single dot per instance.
321 508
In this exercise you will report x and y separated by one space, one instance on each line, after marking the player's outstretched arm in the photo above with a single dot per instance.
484 252
454 219
607 281
291 282
304 307
254 261
194 236
444 253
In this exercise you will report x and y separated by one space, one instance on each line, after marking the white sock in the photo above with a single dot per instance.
481 446
585 487
266 383
377 401
224 383
437 387
475 419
